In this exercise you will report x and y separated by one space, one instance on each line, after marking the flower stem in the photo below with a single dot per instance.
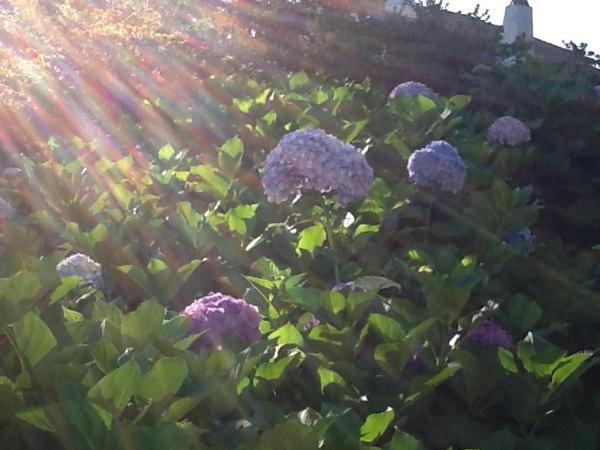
428 219
330 240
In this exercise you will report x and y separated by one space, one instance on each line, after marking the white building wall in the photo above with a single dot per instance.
518 21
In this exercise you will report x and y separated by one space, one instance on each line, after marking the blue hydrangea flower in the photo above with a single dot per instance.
437 166
7 211
523 240
411 89
508 131
490 335
314 160
220 318
82 266
597 91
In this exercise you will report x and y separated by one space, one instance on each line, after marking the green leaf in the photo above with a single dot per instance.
375 425
165 379
157 265
273 370
307 298
568 366
312 237
67 285
140 326
105 354
538 356
231 154
214 181
328 377
389 329
33 338
507 360
21 287
38 417
287 334
166 152
404 441
117 387
298 80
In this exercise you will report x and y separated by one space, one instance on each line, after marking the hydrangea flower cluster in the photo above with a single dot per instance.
7 211
347 287
12 172
82 266
508 131
311 324
314 160
411 89
220 317
522 239
597 91
437 166
490 335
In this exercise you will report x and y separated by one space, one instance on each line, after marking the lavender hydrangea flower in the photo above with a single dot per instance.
411 89
220 317
490 335
508 131
347 287
522 239
311 324
437 166
81 266
7 211
314 160
12 172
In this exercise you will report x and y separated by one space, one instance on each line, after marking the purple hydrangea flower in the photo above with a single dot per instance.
508 131
411 89
12 172
220 317
350 286
491 335
437 166
522 239
314 160
7 211
597 91
82 266
415 362
311 324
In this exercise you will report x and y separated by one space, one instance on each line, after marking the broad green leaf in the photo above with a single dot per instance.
312 237
157 265
389 329
165 379
298 80
117 387
507 360
39 418
166 152
274 370
67 285
140 326
182 407
328 377
375 425
21 287
568 366
234 148
33 338
307 298
287 334
105 355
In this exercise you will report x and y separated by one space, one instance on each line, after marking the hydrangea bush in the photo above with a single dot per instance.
281 353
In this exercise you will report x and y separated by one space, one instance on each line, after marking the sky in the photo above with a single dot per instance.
553 20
